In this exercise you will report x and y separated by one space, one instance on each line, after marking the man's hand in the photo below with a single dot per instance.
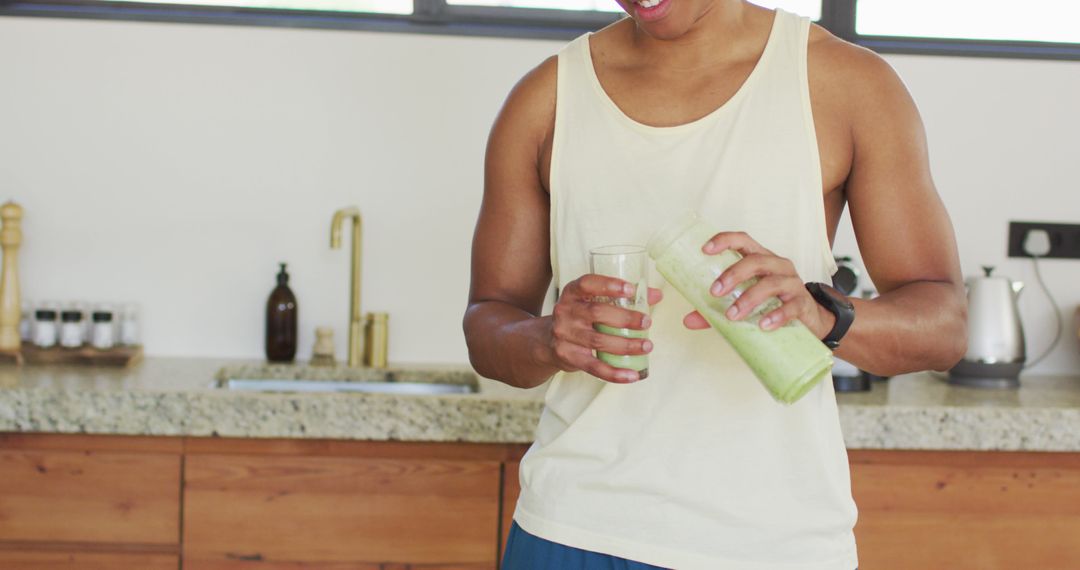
572 337
776 276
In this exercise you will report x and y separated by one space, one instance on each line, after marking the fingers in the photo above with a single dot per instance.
753 265
739 241
585 314
593 285
576 357
784 287
786 313
655 296
581 331
695 321
574 336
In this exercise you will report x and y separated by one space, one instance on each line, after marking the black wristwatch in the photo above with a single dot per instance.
837 304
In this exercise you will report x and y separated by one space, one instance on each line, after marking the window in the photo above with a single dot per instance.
591 5
369 6
1004 28
1010 20
998 28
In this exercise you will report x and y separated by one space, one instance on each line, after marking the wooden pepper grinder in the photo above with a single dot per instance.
10 310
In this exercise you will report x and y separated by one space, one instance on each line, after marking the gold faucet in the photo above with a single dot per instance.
356 322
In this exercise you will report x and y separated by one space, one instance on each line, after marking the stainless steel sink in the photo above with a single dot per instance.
428 380
417 388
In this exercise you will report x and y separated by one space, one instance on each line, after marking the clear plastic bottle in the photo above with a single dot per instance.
129 325
788 361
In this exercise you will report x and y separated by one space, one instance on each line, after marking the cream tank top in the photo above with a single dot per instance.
696 466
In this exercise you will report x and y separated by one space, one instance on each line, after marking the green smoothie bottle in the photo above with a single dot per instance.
788 361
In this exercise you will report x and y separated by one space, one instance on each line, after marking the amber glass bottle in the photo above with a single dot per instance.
281 321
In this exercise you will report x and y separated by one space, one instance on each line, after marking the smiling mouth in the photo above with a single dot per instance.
651 9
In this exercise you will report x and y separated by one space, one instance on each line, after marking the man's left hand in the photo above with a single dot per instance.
776 276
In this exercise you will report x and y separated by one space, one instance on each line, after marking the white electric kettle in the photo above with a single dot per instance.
996 353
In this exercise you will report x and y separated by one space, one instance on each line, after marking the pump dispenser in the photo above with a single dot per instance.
281 321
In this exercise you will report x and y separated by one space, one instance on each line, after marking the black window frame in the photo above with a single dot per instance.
438 17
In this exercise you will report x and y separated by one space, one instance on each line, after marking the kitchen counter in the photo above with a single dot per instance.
178 397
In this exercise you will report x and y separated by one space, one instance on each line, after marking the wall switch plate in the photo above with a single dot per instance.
1064 239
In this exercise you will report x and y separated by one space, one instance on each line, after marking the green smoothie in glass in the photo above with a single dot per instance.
629 263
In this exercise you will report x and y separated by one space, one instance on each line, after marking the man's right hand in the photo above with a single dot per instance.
573 337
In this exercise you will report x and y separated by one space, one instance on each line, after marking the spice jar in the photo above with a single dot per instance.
45 328
71 328
102 328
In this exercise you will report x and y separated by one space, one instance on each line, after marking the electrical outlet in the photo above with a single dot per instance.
1064 239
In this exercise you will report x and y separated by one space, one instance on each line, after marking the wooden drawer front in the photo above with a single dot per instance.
336 509
21 560
58 496
978 511
242 565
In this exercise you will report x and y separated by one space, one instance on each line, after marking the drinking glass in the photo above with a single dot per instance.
631 264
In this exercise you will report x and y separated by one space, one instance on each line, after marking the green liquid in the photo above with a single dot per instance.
637 362
788 361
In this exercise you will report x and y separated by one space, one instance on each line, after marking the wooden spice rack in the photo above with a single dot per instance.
116 357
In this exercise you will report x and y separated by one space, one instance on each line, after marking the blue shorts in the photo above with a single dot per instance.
528 552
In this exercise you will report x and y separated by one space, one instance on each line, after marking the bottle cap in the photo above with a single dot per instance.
45 315
102 317
282 276
71 316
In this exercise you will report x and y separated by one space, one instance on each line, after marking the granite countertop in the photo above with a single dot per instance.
181 397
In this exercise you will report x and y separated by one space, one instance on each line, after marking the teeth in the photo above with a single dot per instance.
649 3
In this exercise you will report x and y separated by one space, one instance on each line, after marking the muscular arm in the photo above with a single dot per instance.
903 231
511 266
508 339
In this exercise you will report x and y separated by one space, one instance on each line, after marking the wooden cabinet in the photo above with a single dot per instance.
967 510
100 497
89 503
98 502
37 560
261 565
359 510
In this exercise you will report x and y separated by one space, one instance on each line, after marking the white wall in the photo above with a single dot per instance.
173 165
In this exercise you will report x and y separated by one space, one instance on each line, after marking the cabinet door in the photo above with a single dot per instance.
89 497
339 510
85 561
253 565
967 510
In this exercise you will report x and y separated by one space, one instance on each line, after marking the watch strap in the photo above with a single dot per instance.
844 312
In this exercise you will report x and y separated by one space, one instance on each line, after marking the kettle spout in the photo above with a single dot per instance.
1017 287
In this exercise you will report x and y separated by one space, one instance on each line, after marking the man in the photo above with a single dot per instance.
766 126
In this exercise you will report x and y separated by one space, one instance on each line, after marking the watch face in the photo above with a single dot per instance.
838 296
